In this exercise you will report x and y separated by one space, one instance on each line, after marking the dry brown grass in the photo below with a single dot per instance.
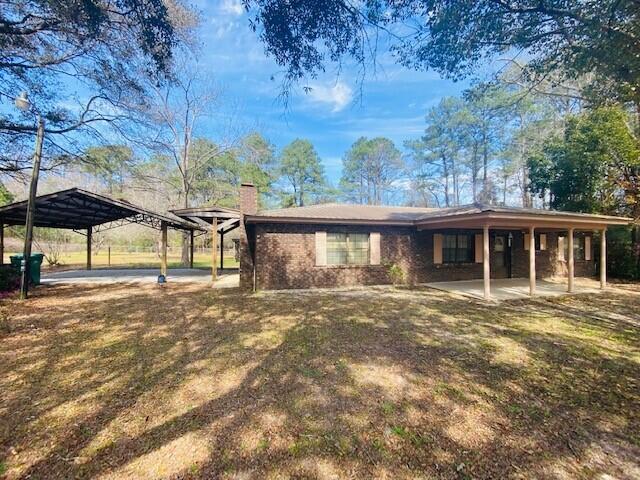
187 382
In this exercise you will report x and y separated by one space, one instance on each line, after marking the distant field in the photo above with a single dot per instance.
133 260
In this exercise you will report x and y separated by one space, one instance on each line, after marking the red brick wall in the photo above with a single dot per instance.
285 258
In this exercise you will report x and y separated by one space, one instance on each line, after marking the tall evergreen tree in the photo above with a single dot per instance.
302 171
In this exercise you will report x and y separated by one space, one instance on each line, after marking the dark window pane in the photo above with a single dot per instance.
457 248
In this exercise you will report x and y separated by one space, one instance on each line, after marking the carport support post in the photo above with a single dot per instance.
89 232
486 269
163 247
214 248
603 258
570 263
191 249
532 261
221 249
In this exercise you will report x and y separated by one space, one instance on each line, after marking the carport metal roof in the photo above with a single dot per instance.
80 209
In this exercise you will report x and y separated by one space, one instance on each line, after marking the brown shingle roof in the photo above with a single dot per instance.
335 212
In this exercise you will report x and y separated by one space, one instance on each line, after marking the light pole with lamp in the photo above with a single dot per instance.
23 103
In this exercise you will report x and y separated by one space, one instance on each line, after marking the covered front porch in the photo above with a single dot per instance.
516 288
532 228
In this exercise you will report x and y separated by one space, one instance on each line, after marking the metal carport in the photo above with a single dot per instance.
87 212
216 219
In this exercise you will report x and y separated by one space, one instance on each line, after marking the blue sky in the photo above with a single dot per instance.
392 103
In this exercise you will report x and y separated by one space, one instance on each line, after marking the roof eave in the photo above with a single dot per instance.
486 217
328 221
560 218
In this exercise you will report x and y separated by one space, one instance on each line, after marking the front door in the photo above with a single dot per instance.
502 256
507 254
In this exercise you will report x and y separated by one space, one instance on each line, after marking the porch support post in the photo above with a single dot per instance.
570 262
163 248
221 249
89 232
532 261
1 243
603 258
486 269
191 248
214 248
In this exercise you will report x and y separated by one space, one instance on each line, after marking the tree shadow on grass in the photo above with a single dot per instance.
197 383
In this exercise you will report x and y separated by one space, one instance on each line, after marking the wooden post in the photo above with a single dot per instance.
89 232
221 249
214 248
603 258
30 214
486 268
1 243
532 261
109 255
163 247
570 262
191 249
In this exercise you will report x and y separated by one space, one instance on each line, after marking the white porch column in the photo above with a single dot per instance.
603 258
570 262
532 261
486 269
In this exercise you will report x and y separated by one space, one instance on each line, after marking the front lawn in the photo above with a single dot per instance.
182 381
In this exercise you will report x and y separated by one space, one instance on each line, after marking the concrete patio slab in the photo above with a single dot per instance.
516 288
226 278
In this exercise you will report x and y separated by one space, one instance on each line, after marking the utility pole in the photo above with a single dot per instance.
31 206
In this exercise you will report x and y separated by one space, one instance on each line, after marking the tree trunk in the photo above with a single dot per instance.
474 172
184 256
445 171
485 169
504 190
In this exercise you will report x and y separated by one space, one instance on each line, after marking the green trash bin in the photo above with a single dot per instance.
15 262
34 266
34 270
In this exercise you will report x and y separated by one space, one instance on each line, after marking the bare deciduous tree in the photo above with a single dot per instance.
173 119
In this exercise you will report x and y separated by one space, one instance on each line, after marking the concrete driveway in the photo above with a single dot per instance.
226 278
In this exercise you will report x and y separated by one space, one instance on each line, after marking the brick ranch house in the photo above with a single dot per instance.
334 245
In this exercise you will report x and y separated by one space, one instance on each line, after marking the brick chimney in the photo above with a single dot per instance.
248 199
248 206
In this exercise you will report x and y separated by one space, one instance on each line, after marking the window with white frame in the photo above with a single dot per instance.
347 248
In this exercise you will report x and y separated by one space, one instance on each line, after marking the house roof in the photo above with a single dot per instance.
75 208
418 216
337 211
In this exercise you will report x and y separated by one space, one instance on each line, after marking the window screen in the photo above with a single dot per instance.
347 248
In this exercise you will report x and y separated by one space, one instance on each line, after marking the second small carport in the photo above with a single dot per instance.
87 213
218 220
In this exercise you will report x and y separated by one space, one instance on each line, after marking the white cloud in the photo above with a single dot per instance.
338 95
232 7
